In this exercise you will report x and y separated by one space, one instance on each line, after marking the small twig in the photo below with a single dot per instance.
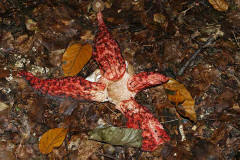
111 110
182 133
236 40
147 45
170 121
4 51
189 8
209 41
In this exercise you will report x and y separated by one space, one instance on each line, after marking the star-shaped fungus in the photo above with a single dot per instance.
115 85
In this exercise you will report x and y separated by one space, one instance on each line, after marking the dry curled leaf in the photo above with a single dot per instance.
75 57
52 138
177 93
219 5
117 136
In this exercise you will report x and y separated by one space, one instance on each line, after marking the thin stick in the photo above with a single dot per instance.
209 41
170 121
236 40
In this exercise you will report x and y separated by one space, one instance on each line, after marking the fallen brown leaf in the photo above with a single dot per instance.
219 5
177 93
52 138
75 57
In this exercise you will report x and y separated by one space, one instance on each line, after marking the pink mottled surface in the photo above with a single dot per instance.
107 53
139 117
145 79
74 87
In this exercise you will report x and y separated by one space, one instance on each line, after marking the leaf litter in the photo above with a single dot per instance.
157 36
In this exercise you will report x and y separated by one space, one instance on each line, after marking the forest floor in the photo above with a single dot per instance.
154 35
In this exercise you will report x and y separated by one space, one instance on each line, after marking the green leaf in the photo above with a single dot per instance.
117 136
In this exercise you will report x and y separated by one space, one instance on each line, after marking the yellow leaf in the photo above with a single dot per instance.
52 138
75 57
177 93
219 5
176 97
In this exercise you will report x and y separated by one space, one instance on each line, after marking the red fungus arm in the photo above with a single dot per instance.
107 53
139 117
75 87
145 79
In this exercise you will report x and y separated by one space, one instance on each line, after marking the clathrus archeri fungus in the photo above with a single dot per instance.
115 85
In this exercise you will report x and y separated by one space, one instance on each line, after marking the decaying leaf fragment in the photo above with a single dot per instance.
219 5
117 136
177 93
85 148
75 57
3 106
52 138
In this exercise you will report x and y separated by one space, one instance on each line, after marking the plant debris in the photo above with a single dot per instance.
75 57
52 138
117 136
